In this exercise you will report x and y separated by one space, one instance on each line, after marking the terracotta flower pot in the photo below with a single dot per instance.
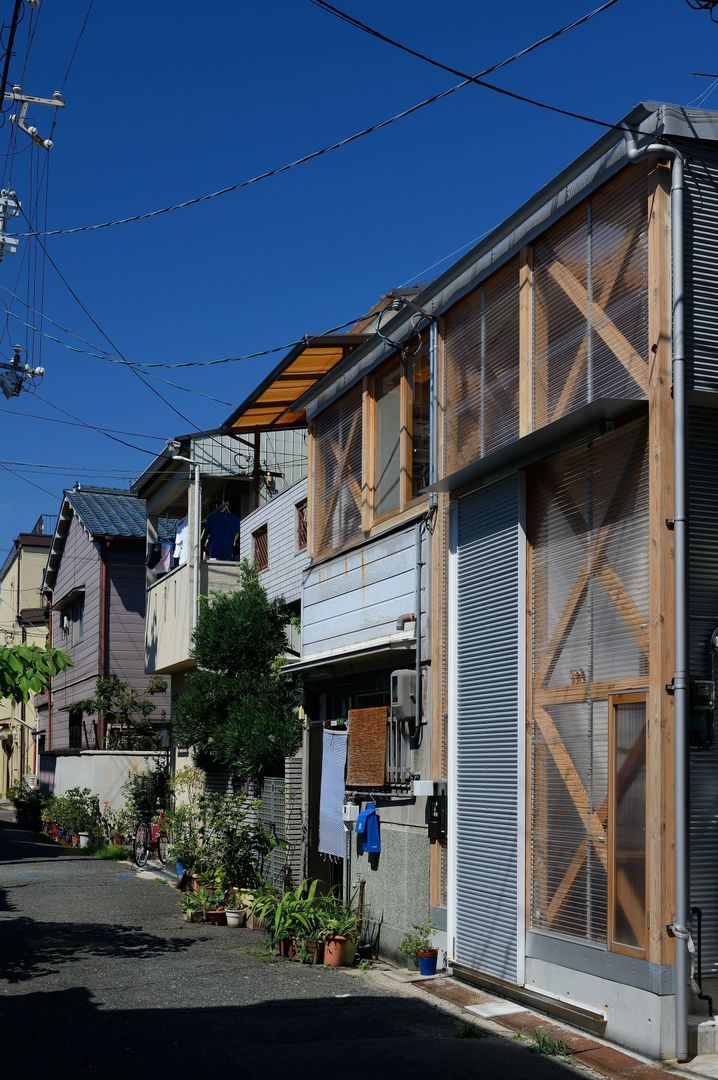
315 950
217 918
334 951
350 952
286 948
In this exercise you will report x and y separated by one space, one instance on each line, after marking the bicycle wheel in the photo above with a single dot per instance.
141 844
163 843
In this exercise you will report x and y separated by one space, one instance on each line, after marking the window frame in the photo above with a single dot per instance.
639 952
74 723
301 510
407 499
262 530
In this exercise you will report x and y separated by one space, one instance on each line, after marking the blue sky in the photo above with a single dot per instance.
169 101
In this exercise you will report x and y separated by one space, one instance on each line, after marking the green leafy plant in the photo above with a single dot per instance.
544 1043
28 669
114 852
291 914
337 919
196 905
27 803
81 812
126 712
240 709
144 792
417 941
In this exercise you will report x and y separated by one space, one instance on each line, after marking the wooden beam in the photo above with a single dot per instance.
619 345
579 365
659 711
525 341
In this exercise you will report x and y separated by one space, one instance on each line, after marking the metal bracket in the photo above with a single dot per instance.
670 523
56 101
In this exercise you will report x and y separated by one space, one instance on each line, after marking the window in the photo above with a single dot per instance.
627 923
336 476
260 548
76 615
401 432
75 729
301 509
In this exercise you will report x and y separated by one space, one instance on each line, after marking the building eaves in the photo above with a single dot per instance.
653 120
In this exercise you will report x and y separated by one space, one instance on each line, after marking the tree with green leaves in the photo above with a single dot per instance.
240 709
125 712
28 669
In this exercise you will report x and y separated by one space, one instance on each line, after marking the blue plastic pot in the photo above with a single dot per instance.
427 964
180 870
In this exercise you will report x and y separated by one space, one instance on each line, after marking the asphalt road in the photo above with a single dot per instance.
99 976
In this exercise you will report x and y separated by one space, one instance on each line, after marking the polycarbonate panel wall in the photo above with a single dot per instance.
337 479
588 527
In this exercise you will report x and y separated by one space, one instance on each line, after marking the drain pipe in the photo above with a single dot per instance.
418 534
679 927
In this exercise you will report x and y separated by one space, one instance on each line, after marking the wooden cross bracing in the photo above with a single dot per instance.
594 310
341 455
595 566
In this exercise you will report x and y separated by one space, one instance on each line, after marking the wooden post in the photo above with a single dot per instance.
659 741
525 341
311 492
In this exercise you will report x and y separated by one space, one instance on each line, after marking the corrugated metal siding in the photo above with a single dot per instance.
358 597
703 619
487 729
293 817
272 816
702 272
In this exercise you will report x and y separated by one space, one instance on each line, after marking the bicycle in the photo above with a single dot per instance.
151 838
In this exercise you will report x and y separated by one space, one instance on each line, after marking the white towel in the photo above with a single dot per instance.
332 836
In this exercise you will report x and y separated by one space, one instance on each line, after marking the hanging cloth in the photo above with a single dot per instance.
159 557
332 835
367 829
181 541
222 529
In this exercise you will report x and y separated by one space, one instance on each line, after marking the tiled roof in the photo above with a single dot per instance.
109 511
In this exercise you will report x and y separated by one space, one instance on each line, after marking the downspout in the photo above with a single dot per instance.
48 594
679 927
102 657
196 530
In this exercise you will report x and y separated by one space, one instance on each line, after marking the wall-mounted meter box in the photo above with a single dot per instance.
403 694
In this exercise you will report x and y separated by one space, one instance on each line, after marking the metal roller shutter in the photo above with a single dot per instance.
488 645
703 619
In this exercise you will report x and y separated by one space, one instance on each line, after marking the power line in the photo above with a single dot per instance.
478 79
97 326
80 424
305 340
339 144
93 427
25 480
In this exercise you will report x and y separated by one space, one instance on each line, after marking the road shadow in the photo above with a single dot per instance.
32 950
20 844
357 1036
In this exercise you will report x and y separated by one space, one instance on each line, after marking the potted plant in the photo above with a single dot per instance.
196 905
288 916
417 947
339 925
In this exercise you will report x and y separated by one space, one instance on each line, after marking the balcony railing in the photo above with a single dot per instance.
45 525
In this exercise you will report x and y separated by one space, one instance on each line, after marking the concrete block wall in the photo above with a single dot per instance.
396 889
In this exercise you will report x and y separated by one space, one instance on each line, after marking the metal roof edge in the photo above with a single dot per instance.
593 167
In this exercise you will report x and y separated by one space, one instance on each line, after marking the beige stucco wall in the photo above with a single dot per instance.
19 588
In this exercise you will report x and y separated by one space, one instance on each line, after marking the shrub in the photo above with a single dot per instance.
142 793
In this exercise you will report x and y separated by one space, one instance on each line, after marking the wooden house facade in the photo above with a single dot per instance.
543 418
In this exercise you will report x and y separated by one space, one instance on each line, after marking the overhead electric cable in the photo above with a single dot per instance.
94 427
80 424
25 480
379 126
111 343
478 79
